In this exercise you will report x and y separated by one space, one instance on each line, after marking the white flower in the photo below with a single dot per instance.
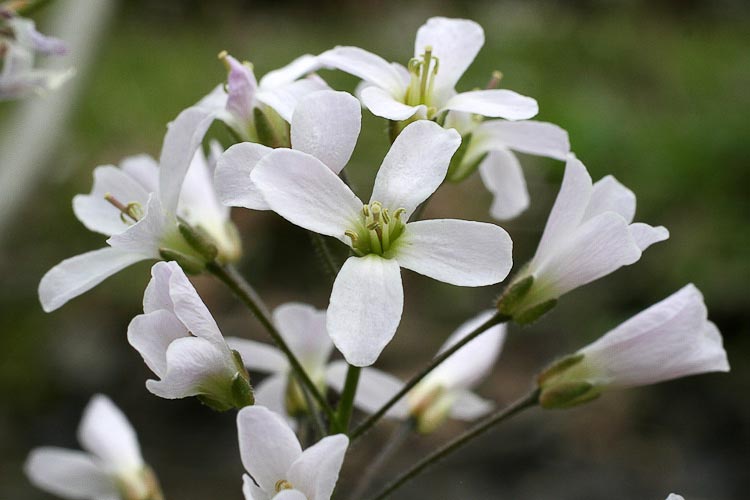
589 234
303 329
670 339
443 50
445 392
367 297
489 145
673 496
272 100
181 343
111 468
278 468
137 206
325 124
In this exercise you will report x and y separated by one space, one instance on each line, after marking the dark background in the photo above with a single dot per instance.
656 93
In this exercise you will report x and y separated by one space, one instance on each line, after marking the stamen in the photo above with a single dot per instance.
282 484
427 57
352 236
223 58
132 210
495 80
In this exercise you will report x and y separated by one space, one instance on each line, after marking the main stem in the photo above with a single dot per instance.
531 399
242 289
346 404
436 361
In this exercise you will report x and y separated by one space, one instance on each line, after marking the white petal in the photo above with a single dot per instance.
415 165
150 334
303 327
365 65
326 125
144 169
285 98
99 215
568 210
301 66
106 432
194 366
145 236
463 253
469 406
530 137
468 366
250 490
673 496
502 175
271 393
268 446
645 235
599 247
383 104
199 203
366 305
456 42
76 275
232 176
184 136
316 471
670 339
494 103
291 495
191 310
609 195
375 388
157 295
259 356
69 474
305 192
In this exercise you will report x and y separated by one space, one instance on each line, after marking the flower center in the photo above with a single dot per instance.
423 71
282 484
378 231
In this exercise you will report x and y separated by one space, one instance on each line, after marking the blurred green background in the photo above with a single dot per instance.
656 93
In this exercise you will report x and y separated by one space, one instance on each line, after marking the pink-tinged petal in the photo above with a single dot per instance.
316 471
455 42
232 176
303 327
494 103
375 388
463 253
301 189
150 334
106 432
469 406
284 99
69 474
296 69
241 88
268 446
326 125
365 310
502 175
415 166
530 137
259 356
365 65
76 275
383 104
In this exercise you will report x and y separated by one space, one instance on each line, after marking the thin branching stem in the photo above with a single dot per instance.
346 404
324 255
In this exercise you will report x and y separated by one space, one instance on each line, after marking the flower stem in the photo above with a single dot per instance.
242 289
397 439
346 404
528 401
437 360
324 254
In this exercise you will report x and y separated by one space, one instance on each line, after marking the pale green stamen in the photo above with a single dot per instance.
423 72
378 231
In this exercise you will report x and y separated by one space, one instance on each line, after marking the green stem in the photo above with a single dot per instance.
346 403
242 289
528 401
437 360
324 254
316 420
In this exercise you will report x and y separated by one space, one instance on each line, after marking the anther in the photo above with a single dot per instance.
131 210
397 214
282 484
352 236
223 58
495 80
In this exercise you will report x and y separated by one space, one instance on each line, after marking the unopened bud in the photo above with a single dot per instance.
198 240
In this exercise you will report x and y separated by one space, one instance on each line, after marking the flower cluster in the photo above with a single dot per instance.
294 136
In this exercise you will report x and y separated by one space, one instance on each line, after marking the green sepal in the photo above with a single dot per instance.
198 240
455 172
533 313
267 133
242 391
558 367
214 404
567 394
189 264
513 295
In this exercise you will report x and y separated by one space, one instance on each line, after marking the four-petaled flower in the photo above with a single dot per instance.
277 467
367 296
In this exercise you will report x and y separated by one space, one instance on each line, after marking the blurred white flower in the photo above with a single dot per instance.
138 206
589 234
111 468
181 343
673 496
367 296
445 392
443 50
325 124
671 339
303 329
277 467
